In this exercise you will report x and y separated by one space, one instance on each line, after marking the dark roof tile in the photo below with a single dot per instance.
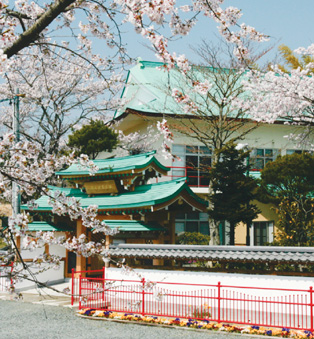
229 253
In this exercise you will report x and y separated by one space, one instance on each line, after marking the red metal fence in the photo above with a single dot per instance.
271 307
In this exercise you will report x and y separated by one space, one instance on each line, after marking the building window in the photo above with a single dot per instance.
262 232
192 222
298 151
194 163
259 157
292 151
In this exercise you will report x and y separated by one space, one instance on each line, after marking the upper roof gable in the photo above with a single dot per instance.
148 87
116 165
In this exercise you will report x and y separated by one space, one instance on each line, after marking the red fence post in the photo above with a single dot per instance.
143 296
311 305
80 289
11 280
219 304
72 288
104 283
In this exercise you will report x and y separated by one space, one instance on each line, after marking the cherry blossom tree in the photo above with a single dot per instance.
136 143
59 91
286 97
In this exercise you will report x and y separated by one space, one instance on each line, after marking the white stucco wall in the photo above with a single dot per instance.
53 249
264 136
48 277
212 278
27 254
57 250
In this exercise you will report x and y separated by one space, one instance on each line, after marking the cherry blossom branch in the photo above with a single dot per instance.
32 33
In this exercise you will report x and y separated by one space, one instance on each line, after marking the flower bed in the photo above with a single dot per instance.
198 324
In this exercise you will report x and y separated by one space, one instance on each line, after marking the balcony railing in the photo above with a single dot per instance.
193 179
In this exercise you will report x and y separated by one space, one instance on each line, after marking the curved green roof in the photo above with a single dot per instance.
115 165
147 89
133 226
45 226
142 196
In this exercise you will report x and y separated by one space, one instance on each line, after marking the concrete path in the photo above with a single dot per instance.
44 295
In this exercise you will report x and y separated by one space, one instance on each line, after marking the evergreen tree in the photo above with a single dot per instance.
232 189
94 138
289 176
288 182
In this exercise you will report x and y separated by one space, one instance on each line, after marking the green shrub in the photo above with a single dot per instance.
201 313
193 238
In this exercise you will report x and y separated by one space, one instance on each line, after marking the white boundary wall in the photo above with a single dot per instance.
212 278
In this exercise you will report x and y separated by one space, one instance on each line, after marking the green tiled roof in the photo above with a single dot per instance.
115 165
133 226
147 88
146 195
44 226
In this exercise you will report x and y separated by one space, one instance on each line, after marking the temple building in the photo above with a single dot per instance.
143 212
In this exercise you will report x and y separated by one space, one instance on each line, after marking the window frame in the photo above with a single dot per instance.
196 177
269 232
257 158
186 220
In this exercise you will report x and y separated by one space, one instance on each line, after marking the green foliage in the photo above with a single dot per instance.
93 138
250 266
232 188
295 224
201 312
193 238
288 182
292 61
290 176
2 243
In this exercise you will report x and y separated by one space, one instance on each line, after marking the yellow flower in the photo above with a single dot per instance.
277 332
100 314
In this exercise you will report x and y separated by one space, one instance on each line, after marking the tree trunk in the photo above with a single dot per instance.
213 225
214 232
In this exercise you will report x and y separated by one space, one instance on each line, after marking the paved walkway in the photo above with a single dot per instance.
22 320
44 296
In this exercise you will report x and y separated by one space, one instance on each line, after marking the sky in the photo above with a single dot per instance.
288 22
